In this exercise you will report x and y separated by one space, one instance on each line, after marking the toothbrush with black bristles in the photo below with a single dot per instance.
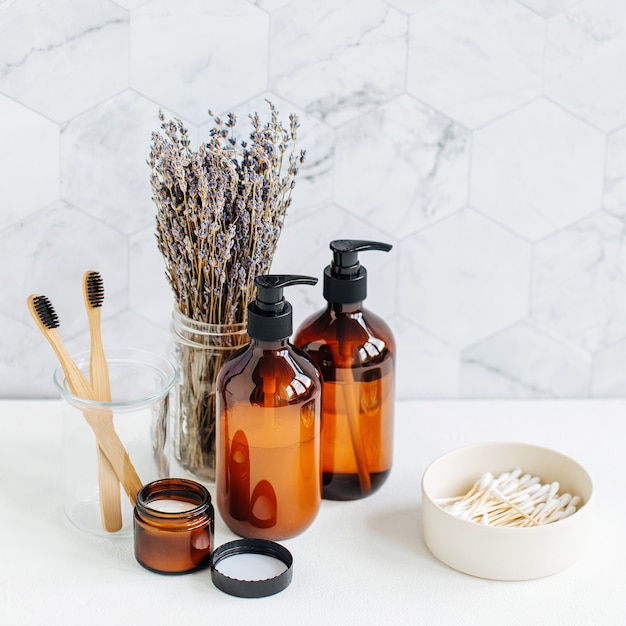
110 505
93 291
100 421
46 318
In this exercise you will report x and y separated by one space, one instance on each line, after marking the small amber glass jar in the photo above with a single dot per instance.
174 525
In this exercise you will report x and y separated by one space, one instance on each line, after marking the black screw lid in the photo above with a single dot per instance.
345 279
270 315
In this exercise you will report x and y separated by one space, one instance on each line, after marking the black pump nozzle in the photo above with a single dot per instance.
270 315
345 254
345 279
269 288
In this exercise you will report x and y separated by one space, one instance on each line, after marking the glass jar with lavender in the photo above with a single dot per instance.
198 350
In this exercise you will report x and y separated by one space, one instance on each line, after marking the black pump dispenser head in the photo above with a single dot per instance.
270 315
345 279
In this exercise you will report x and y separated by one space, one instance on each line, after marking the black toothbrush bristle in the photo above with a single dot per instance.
95 289
45 311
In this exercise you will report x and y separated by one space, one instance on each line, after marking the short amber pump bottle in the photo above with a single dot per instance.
268 427
354 349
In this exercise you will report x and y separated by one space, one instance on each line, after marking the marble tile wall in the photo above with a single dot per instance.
484 139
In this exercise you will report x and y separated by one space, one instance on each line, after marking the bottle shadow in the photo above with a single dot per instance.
402 528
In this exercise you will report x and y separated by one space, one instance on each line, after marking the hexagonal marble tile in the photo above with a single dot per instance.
609 373
408 6
524 362
270 5
314 183
402 167
62 244
537 170
473 60
548 8
149 292
344 58
130 330
303 248
426 367
615 174
27 363
61 58
463 278
578 288
182 57
130 4
29 161
103 161
584 65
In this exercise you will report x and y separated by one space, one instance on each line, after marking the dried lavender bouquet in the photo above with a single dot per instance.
220 212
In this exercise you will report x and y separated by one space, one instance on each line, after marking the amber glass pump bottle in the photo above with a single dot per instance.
268 426
354 350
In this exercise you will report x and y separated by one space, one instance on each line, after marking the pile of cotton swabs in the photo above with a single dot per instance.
511 500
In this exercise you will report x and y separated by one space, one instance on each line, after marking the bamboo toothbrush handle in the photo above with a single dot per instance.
108 483
109 490
100 421
109 442
98 368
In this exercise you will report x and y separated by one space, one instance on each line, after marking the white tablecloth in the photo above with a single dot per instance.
361 562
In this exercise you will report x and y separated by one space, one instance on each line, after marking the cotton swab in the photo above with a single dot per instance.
512 499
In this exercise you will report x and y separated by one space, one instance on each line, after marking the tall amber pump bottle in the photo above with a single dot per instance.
354 349
268 426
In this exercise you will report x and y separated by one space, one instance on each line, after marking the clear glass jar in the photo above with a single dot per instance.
140 386
174 526
198 351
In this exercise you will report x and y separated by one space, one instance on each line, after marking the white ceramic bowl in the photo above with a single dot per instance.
501 553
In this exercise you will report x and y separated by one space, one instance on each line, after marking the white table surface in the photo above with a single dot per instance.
361 562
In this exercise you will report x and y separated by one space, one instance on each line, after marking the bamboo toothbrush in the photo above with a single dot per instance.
110 505
100 421
93 292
